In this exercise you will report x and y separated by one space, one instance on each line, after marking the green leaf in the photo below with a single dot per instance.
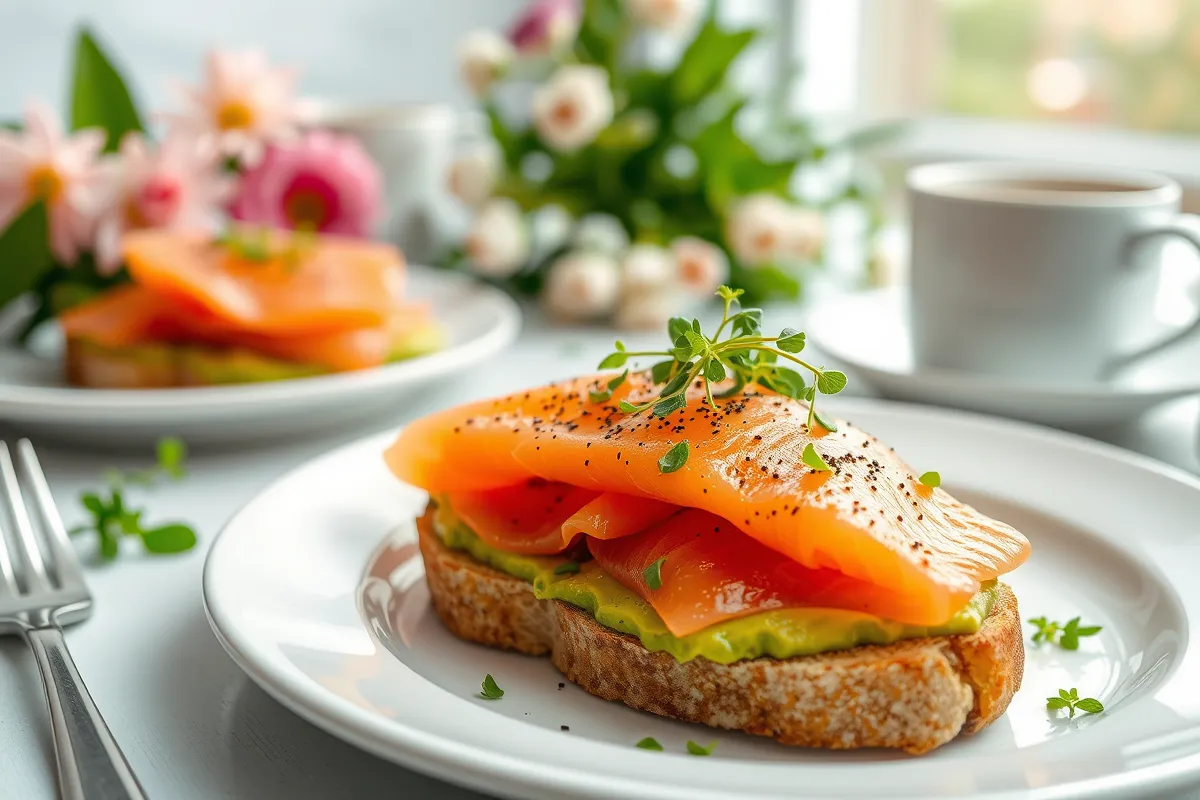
24 253
824 422
653 574
673 403
678 382
613 360
931 479
172 453
173 538
813 459
786 381
714 370
92 502
747 322
627 407
1065 695
1091 705
99 97
704 64
790 340
661 371
599 397
739 383
567 568
1069 641
831 381
689 345
110 546
1088 630
1055 703
649 743
676 326
490 690
699 749
674 458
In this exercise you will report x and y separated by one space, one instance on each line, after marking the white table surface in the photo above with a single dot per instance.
192 725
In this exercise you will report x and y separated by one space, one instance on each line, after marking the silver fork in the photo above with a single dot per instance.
42 589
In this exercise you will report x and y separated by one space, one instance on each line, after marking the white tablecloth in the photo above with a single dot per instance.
191 723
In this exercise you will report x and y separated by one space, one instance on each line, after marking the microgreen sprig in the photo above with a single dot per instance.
111 517
1065 636
1069 699
745 356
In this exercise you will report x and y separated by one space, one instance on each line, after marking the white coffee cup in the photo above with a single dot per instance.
1038 271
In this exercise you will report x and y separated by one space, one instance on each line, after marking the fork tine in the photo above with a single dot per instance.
8 579
66 562
35 569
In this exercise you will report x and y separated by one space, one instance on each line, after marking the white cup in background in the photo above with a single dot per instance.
1038 271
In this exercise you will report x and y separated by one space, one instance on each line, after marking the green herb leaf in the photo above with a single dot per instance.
676 327
110 546
671 404
674 458
174 538
661 372
792 341
714 370
931 479
1088 630
653 574
813 459
1054 703
1091 705
627 407
649 743
1067 695
1065 636
490 690
599 397
172 453
831 381
747 322
613 360
824 422
699 749
786 381
99 97
567 568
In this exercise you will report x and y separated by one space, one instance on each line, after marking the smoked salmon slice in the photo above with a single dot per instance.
522 519
134 315
712 572
611 516
335 284
867 517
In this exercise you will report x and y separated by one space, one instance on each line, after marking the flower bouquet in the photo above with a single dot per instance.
665 198
239 150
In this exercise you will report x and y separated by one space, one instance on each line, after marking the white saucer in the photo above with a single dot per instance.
316 590
869 333
480 321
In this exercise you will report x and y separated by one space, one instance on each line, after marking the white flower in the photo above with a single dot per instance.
472 175
805 233
498 242
700 266
757 228
483 56
646 267
601 233
647 311
245 103
571 108
664 15
582 286
41 163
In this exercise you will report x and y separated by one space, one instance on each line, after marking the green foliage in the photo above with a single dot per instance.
632 170
24 253
99 97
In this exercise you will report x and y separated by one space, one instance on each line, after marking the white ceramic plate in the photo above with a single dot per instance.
869 332
479 320
337 627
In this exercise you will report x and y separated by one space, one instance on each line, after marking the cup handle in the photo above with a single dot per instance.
1186 227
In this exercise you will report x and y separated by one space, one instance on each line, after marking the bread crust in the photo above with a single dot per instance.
913 695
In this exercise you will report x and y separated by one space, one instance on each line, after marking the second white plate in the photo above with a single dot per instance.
479 320
337 626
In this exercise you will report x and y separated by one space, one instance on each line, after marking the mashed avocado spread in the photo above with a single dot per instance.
783 633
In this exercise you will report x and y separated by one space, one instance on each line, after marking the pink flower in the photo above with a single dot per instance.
40 163
245 103
178 186
322 182
545 26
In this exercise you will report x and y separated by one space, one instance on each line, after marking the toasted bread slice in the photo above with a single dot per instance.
913 695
